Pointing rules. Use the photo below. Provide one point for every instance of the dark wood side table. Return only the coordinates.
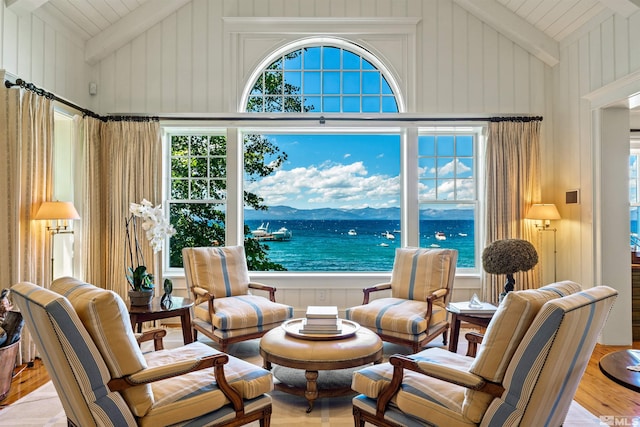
(475, 319)
(614, 365)
(180, 307)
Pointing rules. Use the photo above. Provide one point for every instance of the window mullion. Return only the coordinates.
(409, 207)
(235, 201)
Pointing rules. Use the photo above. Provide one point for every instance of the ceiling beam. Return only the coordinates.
(515, 28)
(23, 7)
(130, 26)
(625, 8)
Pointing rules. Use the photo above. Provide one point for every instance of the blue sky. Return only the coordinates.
(338, 171)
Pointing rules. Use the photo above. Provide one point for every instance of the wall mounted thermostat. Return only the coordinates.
(572, 197)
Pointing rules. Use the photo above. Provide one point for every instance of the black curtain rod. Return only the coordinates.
(321, 119)
(41, 92)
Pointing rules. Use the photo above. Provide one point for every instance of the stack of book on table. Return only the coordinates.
(321, 320)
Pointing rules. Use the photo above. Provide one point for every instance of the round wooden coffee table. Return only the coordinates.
(614, 365)
(314, 354)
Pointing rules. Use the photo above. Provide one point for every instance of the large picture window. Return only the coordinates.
(334, 205)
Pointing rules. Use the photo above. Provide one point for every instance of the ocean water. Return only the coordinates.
(325, 245)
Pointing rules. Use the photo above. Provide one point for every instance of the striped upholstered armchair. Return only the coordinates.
(224, 309)
(526, 372)
(421, 284)
(102, 378)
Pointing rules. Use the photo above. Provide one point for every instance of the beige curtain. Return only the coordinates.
(512, 186)
(121, 164)
(26, 141)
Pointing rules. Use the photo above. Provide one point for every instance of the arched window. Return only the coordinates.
(324, 79)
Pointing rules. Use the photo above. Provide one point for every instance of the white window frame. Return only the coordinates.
(409, 190)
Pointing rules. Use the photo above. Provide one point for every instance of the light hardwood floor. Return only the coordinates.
(598, 394)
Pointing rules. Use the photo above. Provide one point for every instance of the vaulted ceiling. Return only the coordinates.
(537, 25)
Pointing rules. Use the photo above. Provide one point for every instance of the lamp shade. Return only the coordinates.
(543, 211)
(57, 210)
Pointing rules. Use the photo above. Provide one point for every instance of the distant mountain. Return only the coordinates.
(289, 213)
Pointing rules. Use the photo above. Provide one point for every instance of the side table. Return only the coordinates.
(614, 366)
(180, 307)
(475, 319)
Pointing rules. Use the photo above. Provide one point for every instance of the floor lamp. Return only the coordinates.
(545, 212)
(58, 214)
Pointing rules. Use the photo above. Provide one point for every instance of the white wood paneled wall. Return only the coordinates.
(603, 59)
(462, 65)
(39, 53)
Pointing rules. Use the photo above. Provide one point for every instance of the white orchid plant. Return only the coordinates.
(157, 228)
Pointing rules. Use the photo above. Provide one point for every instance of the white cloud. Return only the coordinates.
(329, 184)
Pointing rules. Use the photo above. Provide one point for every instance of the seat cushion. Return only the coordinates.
(421, 395)
(197, 393)
(396, 315)
(418, 272)
(106, 318)
(221, 270)
(243, 311)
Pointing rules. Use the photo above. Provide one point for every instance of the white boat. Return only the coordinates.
(261, 231)
(388, 235)
(282, 234)
(433, 245)
(384, 245)
(441, 236)
(462, 234)
(352, 232)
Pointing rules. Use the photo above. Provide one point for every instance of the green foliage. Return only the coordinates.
(140, 279)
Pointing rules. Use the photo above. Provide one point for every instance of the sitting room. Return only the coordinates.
(306, 189)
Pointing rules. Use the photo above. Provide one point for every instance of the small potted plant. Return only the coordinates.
(508, 256)
(157, 228)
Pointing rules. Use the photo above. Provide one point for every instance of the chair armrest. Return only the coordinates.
(201, 292)
(438, 293)
(202, 295)
(435, 295)
(159, 373)
(263, 287)
(434, 370)
(474, 338)
(155, 334)
(374, 288)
